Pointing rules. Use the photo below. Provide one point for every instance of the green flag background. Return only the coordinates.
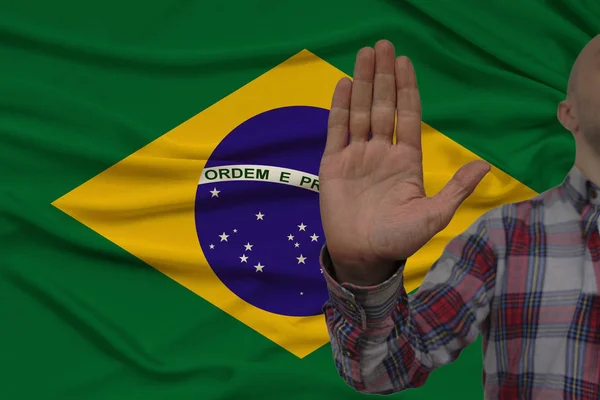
(83, 85)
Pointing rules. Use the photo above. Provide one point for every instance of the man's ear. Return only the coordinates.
(566, 115)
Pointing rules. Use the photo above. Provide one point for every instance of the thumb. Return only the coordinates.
(461, 186)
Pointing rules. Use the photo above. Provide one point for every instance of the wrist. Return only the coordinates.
(364, 275)
(358, 272)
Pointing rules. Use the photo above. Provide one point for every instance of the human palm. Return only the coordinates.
(373, 204)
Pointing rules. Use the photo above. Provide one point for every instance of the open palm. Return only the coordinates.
(373, 204)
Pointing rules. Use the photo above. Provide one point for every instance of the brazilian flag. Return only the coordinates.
(159, 216)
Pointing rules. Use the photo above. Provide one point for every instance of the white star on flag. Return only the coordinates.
(215, 192)
(235, 244)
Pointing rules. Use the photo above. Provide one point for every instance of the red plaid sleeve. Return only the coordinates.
(385, 341)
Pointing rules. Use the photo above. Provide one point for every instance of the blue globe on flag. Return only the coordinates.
(257, 211)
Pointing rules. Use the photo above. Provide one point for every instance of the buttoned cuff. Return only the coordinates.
(363, 306)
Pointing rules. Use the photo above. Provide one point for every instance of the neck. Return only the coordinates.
(588, 162)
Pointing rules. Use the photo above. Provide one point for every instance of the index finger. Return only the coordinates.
(408, 106)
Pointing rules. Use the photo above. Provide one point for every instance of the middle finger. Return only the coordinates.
(383, 112)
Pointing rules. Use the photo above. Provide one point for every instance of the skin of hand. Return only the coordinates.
(372, 198)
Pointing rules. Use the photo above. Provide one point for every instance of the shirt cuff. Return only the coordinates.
(363, 306)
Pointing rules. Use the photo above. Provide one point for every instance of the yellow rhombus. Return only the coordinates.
(145, 203)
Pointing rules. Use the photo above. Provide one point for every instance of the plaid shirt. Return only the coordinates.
(526, 276)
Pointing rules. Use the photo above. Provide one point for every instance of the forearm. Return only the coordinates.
(385, 341)
(365, 325)
(375, 357)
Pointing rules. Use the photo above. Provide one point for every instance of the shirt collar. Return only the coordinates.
(579, 190)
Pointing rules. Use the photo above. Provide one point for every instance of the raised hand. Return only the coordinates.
(373, 204)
